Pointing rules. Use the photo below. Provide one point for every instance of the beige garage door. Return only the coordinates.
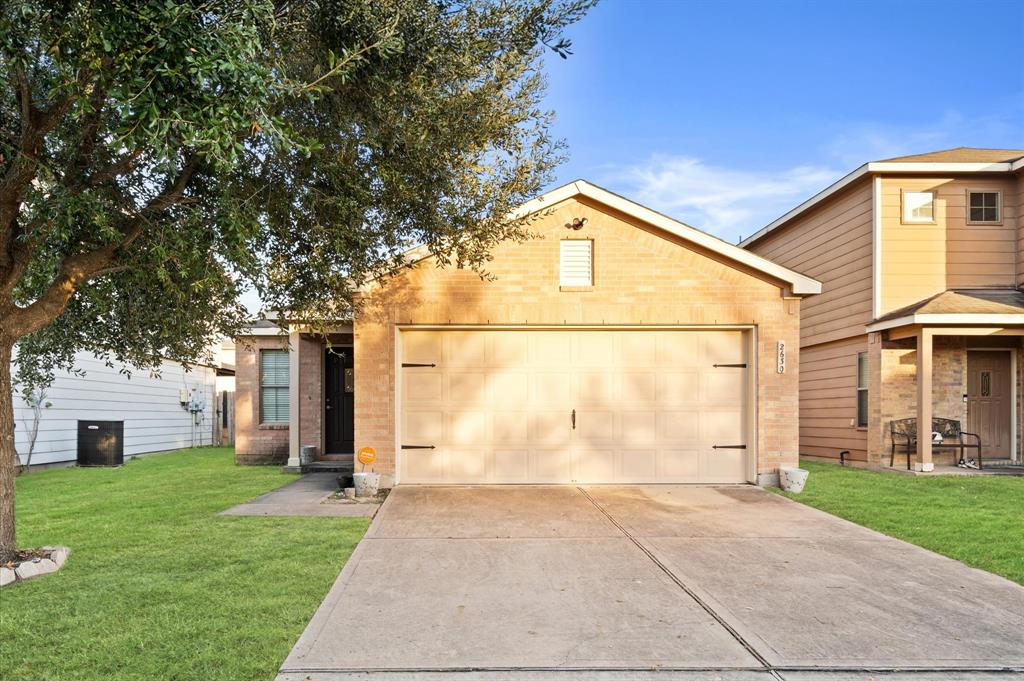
(573, 406)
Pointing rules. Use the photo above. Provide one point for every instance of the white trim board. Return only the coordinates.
(942, 319)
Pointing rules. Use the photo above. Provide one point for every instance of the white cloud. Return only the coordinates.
(726, 202)
(730, 201)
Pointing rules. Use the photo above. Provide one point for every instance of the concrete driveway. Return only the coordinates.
(672, 582)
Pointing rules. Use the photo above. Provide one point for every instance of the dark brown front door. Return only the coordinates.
(989, 407)
(339, 405)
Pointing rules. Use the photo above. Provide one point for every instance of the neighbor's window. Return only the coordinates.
(983, 206)
(577, 262)
(918, 207)
(862, 389)
(274, 386)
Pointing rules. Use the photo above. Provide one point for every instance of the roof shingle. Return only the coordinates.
(961, 155)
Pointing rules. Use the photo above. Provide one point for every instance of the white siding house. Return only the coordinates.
(155, 419)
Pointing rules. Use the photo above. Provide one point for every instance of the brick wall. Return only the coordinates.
(641, 276)
(255, 443)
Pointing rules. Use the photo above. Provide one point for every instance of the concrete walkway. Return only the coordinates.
(667, 582)
(305, 496)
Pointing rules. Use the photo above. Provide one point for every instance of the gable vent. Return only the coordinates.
(577, 262)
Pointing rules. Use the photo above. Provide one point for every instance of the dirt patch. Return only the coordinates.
(340, 498)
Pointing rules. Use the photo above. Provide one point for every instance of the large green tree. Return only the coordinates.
(158, 157)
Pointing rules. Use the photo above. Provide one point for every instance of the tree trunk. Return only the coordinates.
(8, 455)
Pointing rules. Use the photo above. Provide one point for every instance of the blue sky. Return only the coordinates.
(726, 114)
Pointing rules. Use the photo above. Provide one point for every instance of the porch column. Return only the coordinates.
(294, 345)
(924, 399)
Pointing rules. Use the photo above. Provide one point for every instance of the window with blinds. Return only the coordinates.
(274, 386)
(577, 262)
(862, 389)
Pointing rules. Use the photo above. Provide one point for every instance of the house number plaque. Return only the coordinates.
(781, 356)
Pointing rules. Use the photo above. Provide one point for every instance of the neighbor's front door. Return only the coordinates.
(989, 407)
(339, 405)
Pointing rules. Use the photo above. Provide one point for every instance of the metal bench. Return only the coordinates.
(904, 433)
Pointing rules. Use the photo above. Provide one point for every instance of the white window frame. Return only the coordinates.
(276, 387)
(578, 282)
(862, 423)
(999, 207)
(908, 219)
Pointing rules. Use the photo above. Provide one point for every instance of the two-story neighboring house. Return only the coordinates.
(922, 264)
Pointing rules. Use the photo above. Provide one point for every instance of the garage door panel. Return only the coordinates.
(678, 387)
(638, 349)
(554, 389)
(723, 386)
(498, 406)
(552, 465)
(468, 387)
(678, 349)
(551, 428)
(466, 465)
(677, 465)
(678, 426)
(722, 427)
(511, 465)
(640, 465)
(424, 427)
(510, 426)
(639, 427)
(722, 348)
(465, 349)
(723, 465)
(467, 428)
(595, 465)
(551, 349)
(510, 388)
(637, 387)
(593, 349)
(510, 349)
(595, 388)
(423, 348)
(424, 465)
(595, 427)
(422, 387)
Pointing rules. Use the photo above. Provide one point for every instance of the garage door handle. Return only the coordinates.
(418, 447)
(735, 366)
(728, 446)
(574, 419)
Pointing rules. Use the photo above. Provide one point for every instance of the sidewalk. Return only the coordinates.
(305, 497)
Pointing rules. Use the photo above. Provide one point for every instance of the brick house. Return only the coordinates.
(618, 346)
(922, 260)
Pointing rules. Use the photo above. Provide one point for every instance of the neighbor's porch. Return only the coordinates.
(970, 374)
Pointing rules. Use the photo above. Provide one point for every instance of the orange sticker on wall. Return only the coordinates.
(367, 455)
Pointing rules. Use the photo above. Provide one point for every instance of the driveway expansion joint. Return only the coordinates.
(681, 584)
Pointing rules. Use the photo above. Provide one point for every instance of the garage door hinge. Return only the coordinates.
(418, 447)
(413, 364)
(737, 366)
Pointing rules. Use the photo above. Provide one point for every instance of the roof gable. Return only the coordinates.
(801, 285)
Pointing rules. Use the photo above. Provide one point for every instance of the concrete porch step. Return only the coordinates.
(322, 467)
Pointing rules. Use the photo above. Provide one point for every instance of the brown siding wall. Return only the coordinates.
(1020, 227)
(920, 260)
(641, 277)
(831, 243)
(828, 399)
(255, 443)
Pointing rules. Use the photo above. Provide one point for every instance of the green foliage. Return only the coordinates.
(158, 585)
(976, 520)
(161, 156)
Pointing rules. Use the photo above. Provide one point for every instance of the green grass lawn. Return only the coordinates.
(977, 520)
(158, 586)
